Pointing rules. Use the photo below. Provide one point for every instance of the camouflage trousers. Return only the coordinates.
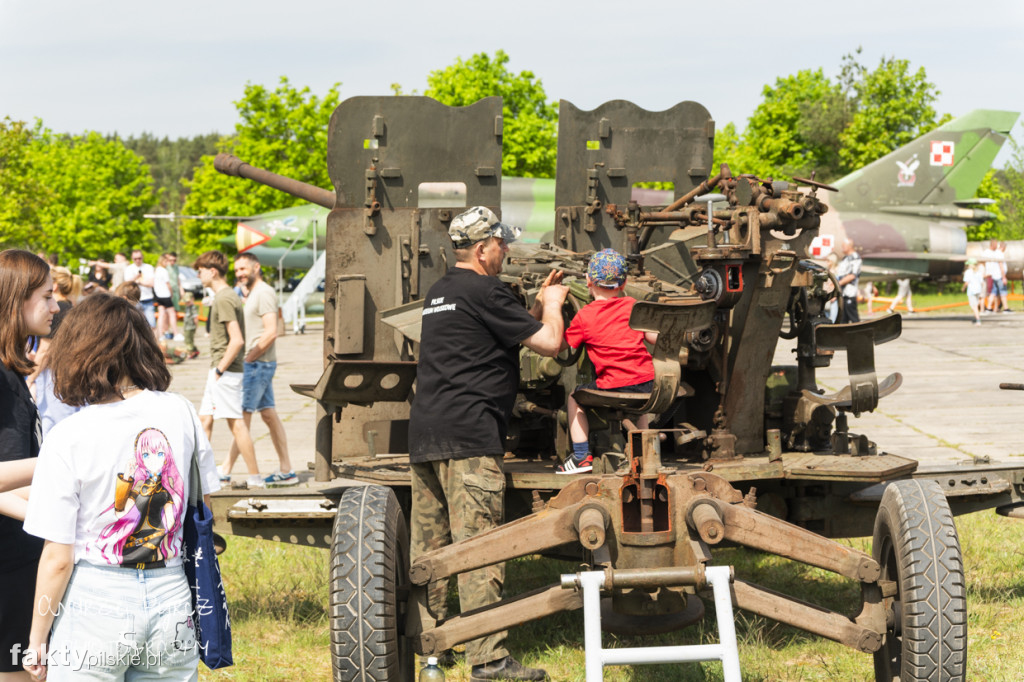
(190, 324)
(453, 500)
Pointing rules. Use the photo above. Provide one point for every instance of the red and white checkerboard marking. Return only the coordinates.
(820, 246)
(942, 153)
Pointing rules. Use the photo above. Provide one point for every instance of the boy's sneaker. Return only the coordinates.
(255, 482)
(278, 479)
(571, 466)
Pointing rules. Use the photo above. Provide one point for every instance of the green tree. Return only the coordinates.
(73, 195)
(283, 130)
(530, 137)
(1011, 201)
(20, 192)
(990, 188)
(98, 191)
(171, 163)
(793, 130)
(892, 106)
(728, 150)
(808, 122)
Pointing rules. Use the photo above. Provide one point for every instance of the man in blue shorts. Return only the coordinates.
(260, 365)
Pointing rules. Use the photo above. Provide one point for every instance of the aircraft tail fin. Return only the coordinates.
(940, 167)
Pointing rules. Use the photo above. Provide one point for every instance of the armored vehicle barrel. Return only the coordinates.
(229, 164)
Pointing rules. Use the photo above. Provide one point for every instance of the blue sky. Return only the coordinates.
(175, 68)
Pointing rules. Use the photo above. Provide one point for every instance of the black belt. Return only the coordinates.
(147, 565)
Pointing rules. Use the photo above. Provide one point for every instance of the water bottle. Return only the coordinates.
(430, 672)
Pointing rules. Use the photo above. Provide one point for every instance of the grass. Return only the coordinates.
(278, 599)
(278, 595)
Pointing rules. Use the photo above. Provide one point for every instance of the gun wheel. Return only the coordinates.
(916, 544)
(369, 569)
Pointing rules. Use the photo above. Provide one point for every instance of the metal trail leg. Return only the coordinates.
(597, 657)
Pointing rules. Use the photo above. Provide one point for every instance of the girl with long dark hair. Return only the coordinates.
(112, 481)
(27, 308)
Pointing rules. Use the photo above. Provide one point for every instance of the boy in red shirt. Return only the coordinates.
(620, 358)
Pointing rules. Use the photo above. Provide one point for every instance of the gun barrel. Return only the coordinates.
(229, 164)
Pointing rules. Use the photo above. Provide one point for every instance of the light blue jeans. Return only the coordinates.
(149, 311)
(124, 624)
(258, 386)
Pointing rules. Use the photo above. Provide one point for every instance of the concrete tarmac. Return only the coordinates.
(949, 408)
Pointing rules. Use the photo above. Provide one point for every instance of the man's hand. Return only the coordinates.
(551, 290)
(554, 294)
(548, 309)
(554, 277)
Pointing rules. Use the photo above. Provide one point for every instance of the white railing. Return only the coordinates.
(294, 309)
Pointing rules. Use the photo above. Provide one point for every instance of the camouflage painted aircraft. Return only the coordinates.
(906, 212)
(288, 237)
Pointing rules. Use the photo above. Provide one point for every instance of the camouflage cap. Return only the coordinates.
(607, 269)
(479, 223)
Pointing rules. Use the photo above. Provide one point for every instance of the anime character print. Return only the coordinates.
(148, 501)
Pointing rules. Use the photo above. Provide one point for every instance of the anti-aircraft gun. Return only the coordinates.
(741, 451)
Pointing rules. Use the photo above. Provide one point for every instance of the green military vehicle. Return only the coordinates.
(742, 451)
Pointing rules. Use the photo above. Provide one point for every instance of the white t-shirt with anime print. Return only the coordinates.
(113, 480)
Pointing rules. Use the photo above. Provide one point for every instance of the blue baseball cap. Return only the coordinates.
(607, 269)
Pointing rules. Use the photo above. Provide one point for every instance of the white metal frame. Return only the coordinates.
(598, 657)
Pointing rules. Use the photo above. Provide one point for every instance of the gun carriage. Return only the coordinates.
(742, 451)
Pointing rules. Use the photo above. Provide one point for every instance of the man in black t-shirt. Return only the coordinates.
(466, 383)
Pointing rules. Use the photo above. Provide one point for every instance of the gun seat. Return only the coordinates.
(859, 339)
(632, 403)
(843, 398)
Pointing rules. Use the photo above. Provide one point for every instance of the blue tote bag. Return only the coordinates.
(203, 574)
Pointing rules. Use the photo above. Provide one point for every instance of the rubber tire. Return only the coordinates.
(368, 573)
(916, 544)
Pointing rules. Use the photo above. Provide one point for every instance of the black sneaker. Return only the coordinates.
(506, 668)
(571, 466)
